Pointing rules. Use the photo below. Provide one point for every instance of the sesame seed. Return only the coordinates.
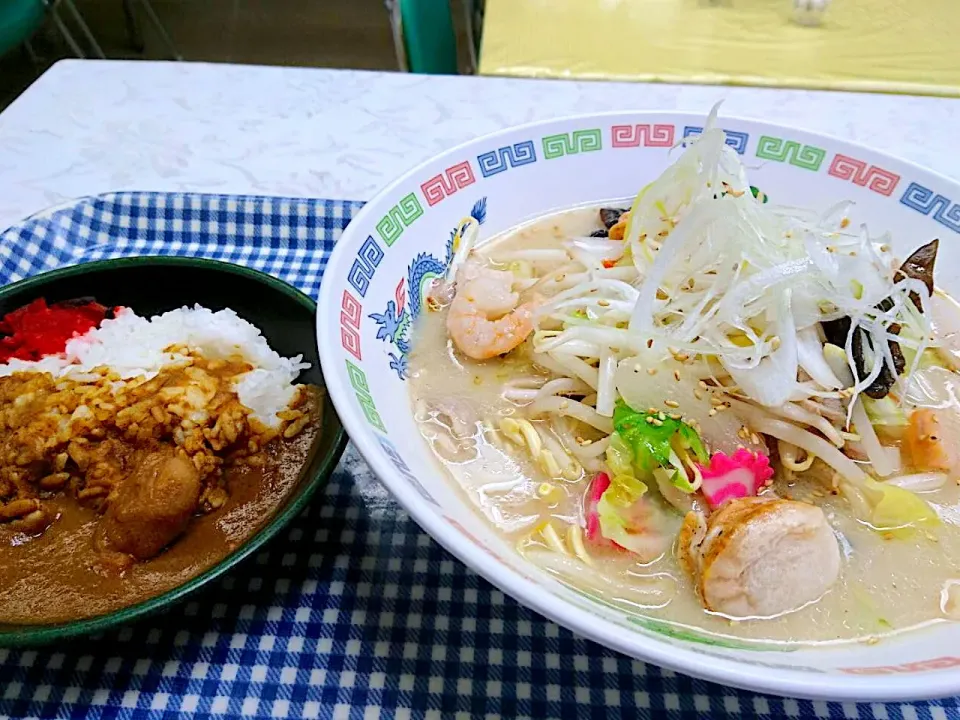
(713, 411)
(682, 357)
(661, 416)
(676, 375)
(603, 303)
(884, 248)
(754, 438)
(673, 350)
(698, 395)
(658, 423)
(671, 403)
(652, 411)
(586, 442)
(650, 343)
(675, 416)
(703, 385)
(637, 367)
(651, 371)
(649, 420)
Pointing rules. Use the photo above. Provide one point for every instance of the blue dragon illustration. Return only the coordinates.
(395, 322)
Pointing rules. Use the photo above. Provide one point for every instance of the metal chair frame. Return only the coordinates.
(134, 31)
(53, 10)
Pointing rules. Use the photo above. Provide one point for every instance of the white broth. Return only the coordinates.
(888, 582)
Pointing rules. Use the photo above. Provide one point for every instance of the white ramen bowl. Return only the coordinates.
(374, 284)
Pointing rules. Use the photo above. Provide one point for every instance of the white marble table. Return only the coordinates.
(88, 127)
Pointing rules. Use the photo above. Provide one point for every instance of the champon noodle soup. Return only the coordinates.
(136, 452)
(732, 416)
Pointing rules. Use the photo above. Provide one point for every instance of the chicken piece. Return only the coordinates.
(692, 533)
(760, 556)
(152, 507)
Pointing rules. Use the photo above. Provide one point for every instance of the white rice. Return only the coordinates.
(134, 346)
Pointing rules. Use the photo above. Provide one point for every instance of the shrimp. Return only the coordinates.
(484, 320)
(928, 441)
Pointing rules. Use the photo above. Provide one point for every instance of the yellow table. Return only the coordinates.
(881, 45)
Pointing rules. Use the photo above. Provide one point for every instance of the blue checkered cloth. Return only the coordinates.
(352, 612)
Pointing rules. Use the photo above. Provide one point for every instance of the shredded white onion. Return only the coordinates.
(719, 302)
(606, 383)
(869, 442)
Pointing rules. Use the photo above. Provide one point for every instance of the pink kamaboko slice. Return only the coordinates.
(594, 531)
(599, 486)
(741, 475)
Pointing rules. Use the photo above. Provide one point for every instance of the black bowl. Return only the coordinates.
(152, 285)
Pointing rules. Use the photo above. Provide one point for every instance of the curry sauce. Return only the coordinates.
(69, 567)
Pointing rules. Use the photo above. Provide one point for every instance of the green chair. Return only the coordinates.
(19, 20)
(424, 35)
